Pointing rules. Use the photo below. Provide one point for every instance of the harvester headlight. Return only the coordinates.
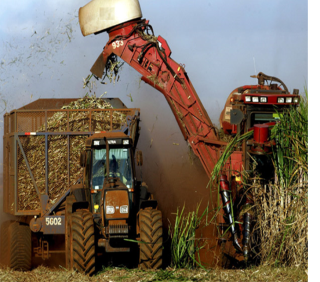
(110, 210)
(124, 209)
(281, 100)
(125, 142)
(248, 98)
(296, 100)
(255, 99)
(289, 100)
(263, 99)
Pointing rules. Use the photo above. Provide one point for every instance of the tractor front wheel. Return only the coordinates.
(150, 223)
(82, 245)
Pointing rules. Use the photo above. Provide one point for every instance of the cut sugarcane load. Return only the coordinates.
(62, 125)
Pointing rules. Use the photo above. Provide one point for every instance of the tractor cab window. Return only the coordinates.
(98, 173)
(120, 165)
(98, 167)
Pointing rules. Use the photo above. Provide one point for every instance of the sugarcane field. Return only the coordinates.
(157, 141)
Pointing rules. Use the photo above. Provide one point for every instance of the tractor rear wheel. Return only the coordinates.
(82, 245)
(19, 246)
(150, 222)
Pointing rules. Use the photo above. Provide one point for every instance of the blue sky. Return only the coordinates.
(222, 43)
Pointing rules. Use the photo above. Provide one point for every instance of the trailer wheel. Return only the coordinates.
(82, 242)
(4, 243)
(68, 212)
(150, 222)
(19, 253)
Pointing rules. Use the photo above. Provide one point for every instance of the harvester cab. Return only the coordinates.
(258, 108)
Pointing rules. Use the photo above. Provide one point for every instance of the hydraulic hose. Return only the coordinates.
(225, 196)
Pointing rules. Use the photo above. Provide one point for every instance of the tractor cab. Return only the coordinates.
(108, 163)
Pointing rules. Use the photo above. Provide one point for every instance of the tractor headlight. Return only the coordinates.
(281, 100)
(255, 99)
(110, 210)
(289, 100)
(296, 100)
(124, 209)
(263, 99)
(248, 98)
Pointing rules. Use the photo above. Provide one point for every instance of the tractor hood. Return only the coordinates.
(99, 15)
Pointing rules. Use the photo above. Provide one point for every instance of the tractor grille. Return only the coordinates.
(118, 229)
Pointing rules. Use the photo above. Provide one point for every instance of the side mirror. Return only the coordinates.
(139, 158)
(83, 159)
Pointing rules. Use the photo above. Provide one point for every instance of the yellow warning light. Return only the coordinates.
(96, 207)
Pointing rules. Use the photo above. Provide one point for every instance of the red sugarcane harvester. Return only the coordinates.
(250, 107)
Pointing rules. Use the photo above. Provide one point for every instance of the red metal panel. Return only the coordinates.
(260, 133)
(236, 163)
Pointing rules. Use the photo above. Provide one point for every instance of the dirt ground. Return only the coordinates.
(45, 274)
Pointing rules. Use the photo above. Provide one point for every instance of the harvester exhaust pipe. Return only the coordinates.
(225, 196)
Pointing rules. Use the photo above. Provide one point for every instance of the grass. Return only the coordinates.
(282, 206)
(264, 273)
(184, 245)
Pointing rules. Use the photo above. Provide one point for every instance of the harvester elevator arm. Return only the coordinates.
(135, 43)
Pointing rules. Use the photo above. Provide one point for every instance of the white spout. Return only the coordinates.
(99, 15)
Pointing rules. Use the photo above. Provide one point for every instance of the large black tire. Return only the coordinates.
(68, 212)
(151, 235)
(83, 256)
(19, 253)
(4, 243)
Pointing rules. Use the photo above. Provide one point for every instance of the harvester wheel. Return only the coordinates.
(19, 253)
(4, 243)
(150, 222)
(82, 242)
(68, 212)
